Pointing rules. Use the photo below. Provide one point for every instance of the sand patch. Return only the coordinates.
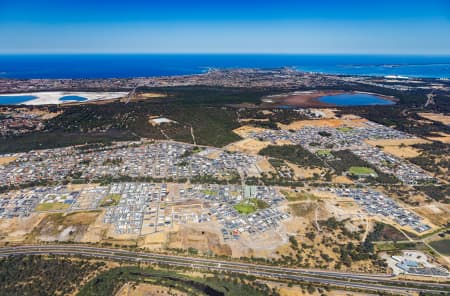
(399, 147)
(342, 180)
(7, 159)
(245, 130)
(334, 123)
(265, 165)
(153, 241)
(203, 238)
(151, 95)
(444, 138)
(303, 172)
(15, 230)
(436, 213)
(250, 146)
(147, 290)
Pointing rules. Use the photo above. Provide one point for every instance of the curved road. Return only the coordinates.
(374, 282)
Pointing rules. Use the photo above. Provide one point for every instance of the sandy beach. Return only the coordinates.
(53, 97)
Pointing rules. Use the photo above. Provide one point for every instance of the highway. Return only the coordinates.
(373, 282)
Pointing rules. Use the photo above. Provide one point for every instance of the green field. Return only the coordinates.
(358, 171)
(344, 129)
(209, 192)
(442, 246)
(52, 206)
(110, 200)
(324, 153)
(250, 205)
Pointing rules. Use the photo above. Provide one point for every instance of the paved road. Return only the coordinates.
(374, 282)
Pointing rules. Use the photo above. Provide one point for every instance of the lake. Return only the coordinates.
(355, 100)
(13, 100)
(73, 98)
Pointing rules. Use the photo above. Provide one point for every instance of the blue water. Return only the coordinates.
(110, 65)
(12, 100)
(73, 98)
(354, 100)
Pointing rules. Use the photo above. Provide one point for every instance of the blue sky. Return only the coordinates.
(320, 27)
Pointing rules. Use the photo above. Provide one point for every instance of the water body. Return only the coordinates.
(73, 98)
(139, 65)
(354, 100)
(13, 100)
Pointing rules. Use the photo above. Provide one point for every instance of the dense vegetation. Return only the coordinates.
(434, 157)
(436, 192)
(345, 159)
(110, 281)
(92, 123)
(38, 275)
(398, 117)
(385, 232)
(293, 153)
(442, 246)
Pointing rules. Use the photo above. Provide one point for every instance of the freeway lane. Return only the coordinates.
(366, 281)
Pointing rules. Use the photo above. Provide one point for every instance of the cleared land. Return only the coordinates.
(6, 160)
(399, 147)
(143, 289)
(334, 123)
(110, 200)
(444, 138)
(52, 206)
(442, 118)
(250, 146)
(245, 130)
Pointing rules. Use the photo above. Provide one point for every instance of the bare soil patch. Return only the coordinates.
(7, 159)
(147, 290)
(245, 130)
(201, 238)
(399, 147)
(296, 125)
(250, 146)
(442, 118)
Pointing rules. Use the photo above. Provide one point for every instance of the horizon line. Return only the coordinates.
(225, 53)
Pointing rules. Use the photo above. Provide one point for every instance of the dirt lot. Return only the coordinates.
(260, 245)
(303, 172)
(6, 160)
(147, 290)
(203, 237)
(442, 118)
(444, 138)
(15, 230)
(296, 125)
(244, 130)
(342, 180)
(400, 148)
(151, 95)
(70, 227)
(250, 146)
(437, 213)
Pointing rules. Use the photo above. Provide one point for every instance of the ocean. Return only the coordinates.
(140, 65)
